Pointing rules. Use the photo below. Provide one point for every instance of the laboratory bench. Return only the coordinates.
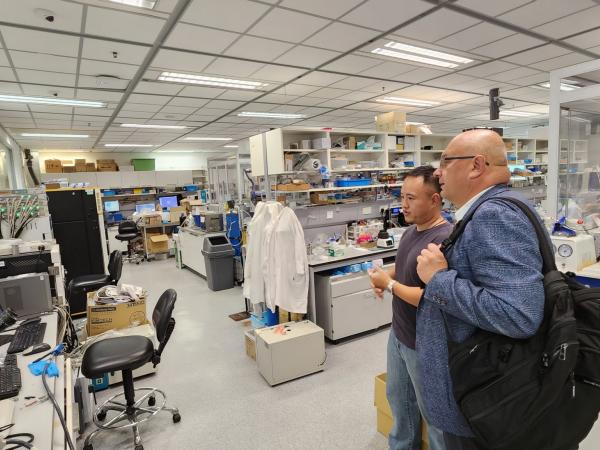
(191, 241)
(345, 305)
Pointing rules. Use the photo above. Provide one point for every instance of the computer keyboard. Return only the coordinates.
(26, 336)
(10, 377)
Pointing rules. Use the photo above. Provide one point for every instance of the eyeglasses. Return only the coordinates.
(444, 160)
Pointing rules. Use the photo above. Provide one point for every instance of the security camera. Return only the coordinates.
(46, 14)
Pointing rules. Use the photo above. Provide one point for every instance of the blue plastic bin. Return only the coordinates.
(109, 192)
(352, 182)
(269, 318)
(190, 187)
(197, 221)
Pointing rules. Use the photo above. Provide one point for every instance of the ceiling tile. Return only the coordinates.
(171, 60)
(381, 87)
(352, 64)
(38, 76)
(492, 8)
(319, 79)
(271, 72)
(512, 44)
(41, 61)
(419, 75)
(306, 101)
(287, 25)
(202, 92)
(222, 104)
(148, 99)
(23, 12)
(476, 36)
(562, 61)
(575, 23)
(278, 98)
(539, 77)
(341, 37)
(231, 15)
(165, 5)
(306, 56)
(329, 93)
(47, 91)
(490, 68)
(7, 74)
(94, 68)
(189, 102)
(235, 94)
(585, 40)
(3, 60)
(232, 67)
(170, 116)
(87, 81)
(385, 14)
(296, 89)
(353, 83)
(537, 54)
(357, 96)
(103, 50)
(542, 11)
(513, 74)
(40, 41)
(387, 70)
(192, 37)
(123, 25)
(437, 25)
(331, 8)
(158, 87)
(258, 48)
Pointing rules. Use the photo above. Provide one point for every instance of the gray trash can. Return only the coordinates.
(218, 258)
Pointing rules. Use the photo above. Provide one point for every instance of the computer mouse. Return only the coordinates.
(38, 348)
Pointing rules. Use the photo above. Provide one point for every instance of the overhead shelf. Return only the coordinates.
(337, 150)
(351, 188)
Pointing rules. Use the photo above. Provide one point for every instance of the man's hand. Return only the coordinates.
(379, 280)
(429, 262)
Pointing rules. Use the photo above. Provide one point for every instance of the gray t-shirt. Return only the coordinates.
(404, 321)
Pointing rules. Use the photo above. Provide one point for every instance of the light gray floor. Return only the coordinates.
(224, 401)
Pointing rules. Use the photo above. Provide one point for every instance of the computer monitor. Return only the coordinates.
(111, 206)
(168, 202)
(144, 207)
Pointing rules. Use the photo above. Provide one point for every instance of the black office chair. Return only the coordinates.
(127, 354)
(79, 286)
(128, 232)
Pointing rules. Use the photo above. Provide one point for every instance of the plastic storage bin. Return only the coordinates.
(351, 182)
(218, 257)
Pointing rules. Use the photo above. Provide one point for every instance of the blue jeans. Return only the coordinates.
(404, 395)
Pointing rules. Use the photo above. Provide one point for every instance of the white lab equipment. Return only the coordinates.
(574, 253)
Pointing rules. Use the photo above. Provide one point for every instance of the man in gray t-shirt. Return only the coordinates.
(421, 205)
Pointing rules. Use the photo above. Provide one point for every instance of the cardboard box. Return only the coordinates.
(349, 142)
(175, 213)
(80, 165)
(152, 218)
(103, 318)
(68, 169)
(384, 412)
(106, 167)
(320, 198)
(90, 167)
(250, 339)
(393, 121)
(286, 316)
(157, 243)
(52, 186)
(80, 162)
(53, 166)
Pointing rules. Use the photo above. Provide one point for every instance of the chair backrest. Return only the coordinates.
(127, 227)
(162, 316)
(115, 266)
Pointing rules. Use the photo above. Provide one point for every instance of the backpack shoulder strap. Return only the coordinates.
(549, 263)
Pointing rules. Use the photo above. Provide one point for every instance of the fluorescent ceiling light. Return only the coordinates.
(48, 135)
(149, 125)
(414, 123)
(433, 62)
(51, 101)
(149, 4)
(174, 151)
(407, 101)
(268, 115)
(563, 86)
(231, 146)
(128, 145)
(517, 114)
(194, 138)
(428, 52)
(210, 81)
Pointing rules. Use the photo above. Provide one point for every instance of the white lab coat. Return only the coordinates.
(285, 267)
(254, 284)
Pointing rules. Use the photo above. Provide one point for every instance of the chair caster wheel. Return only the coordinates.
(151, 401)
(88, 447)
(101, 416)
(176, 418)
(139, 447)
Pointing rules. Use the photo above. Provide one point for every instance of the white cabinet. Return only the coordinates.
(147, 178)
(274, 146)
(130, 179)
(166, 177)
(108, 180)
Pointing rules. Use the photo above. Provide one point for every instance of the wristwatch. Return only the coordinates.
(390, 286)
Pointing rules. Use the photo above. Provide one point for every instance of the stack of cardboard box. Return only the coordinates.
(68, 166)
(106, 165)
(105, 317)
(53, 166)
(80, 165)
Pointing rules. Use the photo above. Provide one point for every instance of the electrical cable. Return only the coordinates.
(18, 443)
(56, 407)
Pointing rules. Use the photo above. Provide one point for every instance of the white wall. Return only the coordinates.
(163, 161)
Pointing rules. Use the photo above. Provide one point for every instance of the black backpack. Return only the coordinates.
(537, 393)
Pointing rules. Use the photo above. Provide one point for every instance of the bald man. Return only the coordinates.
(491, 278)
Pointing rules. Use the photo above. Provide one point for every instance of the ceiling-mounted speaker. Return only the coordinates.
(495, 103)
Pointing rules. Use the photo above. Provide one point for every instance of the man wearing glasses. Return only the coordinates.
(492, 278)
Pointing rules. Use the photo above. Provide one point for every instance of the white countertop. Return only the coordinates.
(198, 231)
(349, 253)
